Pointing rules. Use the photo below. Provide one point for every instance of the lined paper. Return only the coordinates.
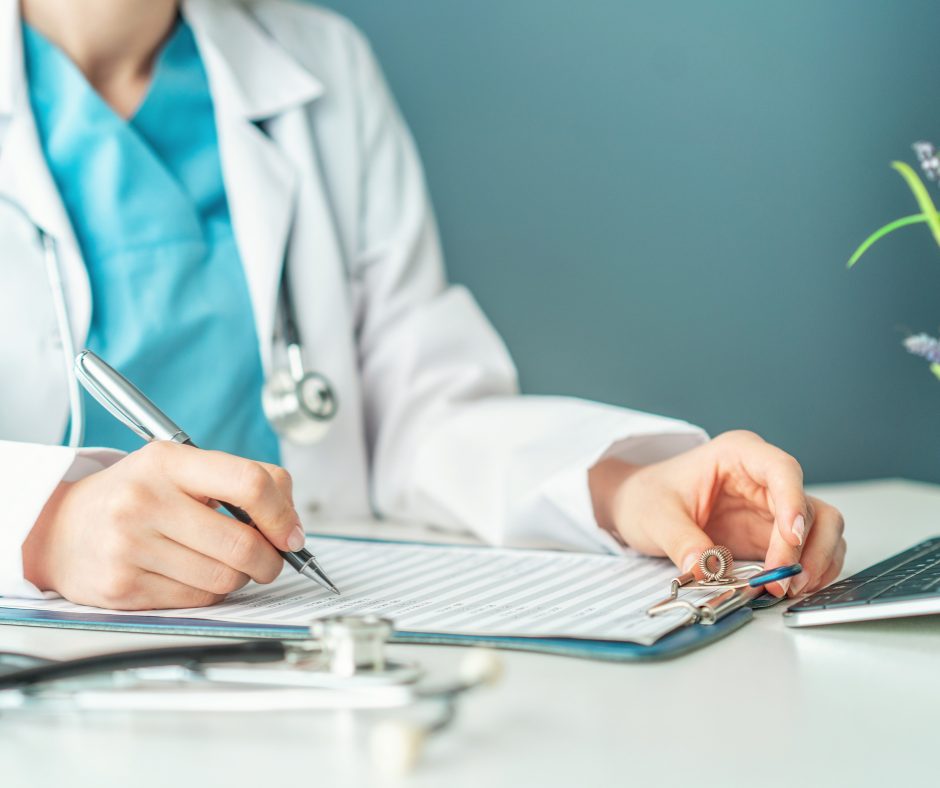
(457, 590)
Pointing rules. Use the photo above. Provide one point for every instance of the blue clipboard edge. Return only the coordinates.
(676, 643)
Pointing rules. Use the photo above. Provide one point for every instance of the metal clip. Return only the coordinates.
(719, 579)
(716, 564)
(711, 610)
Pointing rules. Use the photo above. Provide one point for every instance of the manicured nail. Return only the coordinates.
(798, 583)
(296, 540)
(784, 584)
(799, 527)
(690, 561)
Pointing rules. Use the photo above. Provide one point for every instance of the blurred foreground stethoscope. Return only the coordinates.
(342, 666)
(299, 405)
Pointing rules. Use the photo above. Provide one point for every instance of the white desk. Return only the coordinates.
(840, 705)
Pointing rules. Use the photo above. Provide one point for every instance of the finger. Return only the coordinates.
(223, 540)
(148, 591)
(244, 483)
(780, 474)
(822, 548)
(282, 479)
(780, 553)
(834, 570)
(680, 538)
(171, 559)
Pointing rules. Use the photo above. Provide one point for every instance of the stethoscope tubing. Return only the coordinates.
(54, 277)
(252, 651)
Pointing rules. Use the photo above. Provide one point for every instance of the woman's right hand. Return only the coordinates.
(144, 534)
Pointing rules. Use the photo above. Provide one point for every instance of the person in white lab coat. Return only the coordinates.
(317, 162)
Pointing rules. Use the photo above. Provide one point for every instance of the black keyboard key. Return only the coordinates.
(900, 592)
(918, 583)
(861, 595)
(815, 602)
(900, 559)
(843, 586)
(891, 577)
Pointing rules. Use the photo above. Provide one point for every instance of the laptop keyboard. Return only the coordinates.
(913, 574)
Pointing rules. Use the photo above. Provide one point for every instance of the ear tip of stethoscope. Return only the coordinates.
(395, 746)
(481, 667)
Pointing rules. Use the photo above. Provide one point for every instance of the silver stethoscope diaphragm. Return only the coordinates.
(300, 411)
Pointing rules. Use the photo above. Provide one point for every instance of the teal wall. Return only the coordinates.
(654, 201)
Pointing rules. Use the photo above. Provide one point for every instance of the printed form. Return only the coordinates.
(457, 590)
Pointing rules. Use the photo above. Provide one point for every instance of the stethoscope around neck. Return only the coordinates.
(299, 405)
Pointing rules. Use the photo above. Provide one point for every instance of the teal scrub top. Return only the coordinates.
(170, 303)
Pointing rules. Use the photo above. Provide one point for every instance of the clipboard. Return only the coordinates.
(711, 621)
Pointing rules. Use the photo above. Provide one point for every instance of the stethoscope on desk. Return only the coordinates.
(342, 666)
(299, 405)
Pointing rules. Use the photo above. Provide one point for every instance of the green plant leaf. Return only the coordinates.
(919, 217)
(927, 207)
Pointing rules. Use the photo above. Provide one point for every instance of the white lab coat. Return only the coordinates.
(430, 425)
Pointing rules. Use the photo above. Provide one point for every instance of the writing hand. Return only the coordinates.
(144, 534)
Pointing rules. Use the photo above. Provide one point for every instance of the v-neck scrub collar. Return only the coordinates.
(146, 198)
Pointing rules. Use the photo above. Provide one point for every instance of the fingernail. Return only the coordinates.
(784, 584)
(798, 583)
(799, 527)
(690, 560)
(296, 540)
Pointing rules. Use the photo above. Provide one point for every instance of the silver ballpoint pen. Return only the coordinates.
(129, 405)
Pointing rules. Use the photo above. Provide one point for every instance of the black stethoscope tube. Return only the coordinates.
(291, 332)
(254, 651)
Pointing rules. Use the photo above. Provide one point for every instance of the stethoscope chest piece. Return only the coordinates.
(352, 643)
(299, 409)
(352, 650)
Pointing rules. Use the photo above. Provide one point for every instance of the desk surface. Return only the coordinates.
(852, 704)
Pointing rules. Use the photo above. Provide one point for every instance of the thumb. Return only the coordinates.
(683, 541)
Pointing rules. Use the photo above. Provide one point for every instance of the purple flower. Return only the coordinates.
(929, 162)
(925, 346)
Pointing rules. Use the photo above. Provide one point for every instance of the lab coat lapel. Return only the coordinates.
(261, 190)
(25, 179)
(252, 80)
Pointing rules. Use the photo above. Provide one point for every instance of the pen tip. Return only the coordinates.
(313, 571)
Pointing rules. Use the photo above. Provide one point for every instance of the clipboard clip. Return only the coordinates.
(742, 584)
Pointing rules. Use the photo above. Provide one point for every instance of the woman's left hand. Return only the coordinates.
(737, 491)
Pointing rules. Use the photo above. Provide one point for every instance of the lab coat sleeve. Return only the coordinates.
(29, 474)
(452, 442)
